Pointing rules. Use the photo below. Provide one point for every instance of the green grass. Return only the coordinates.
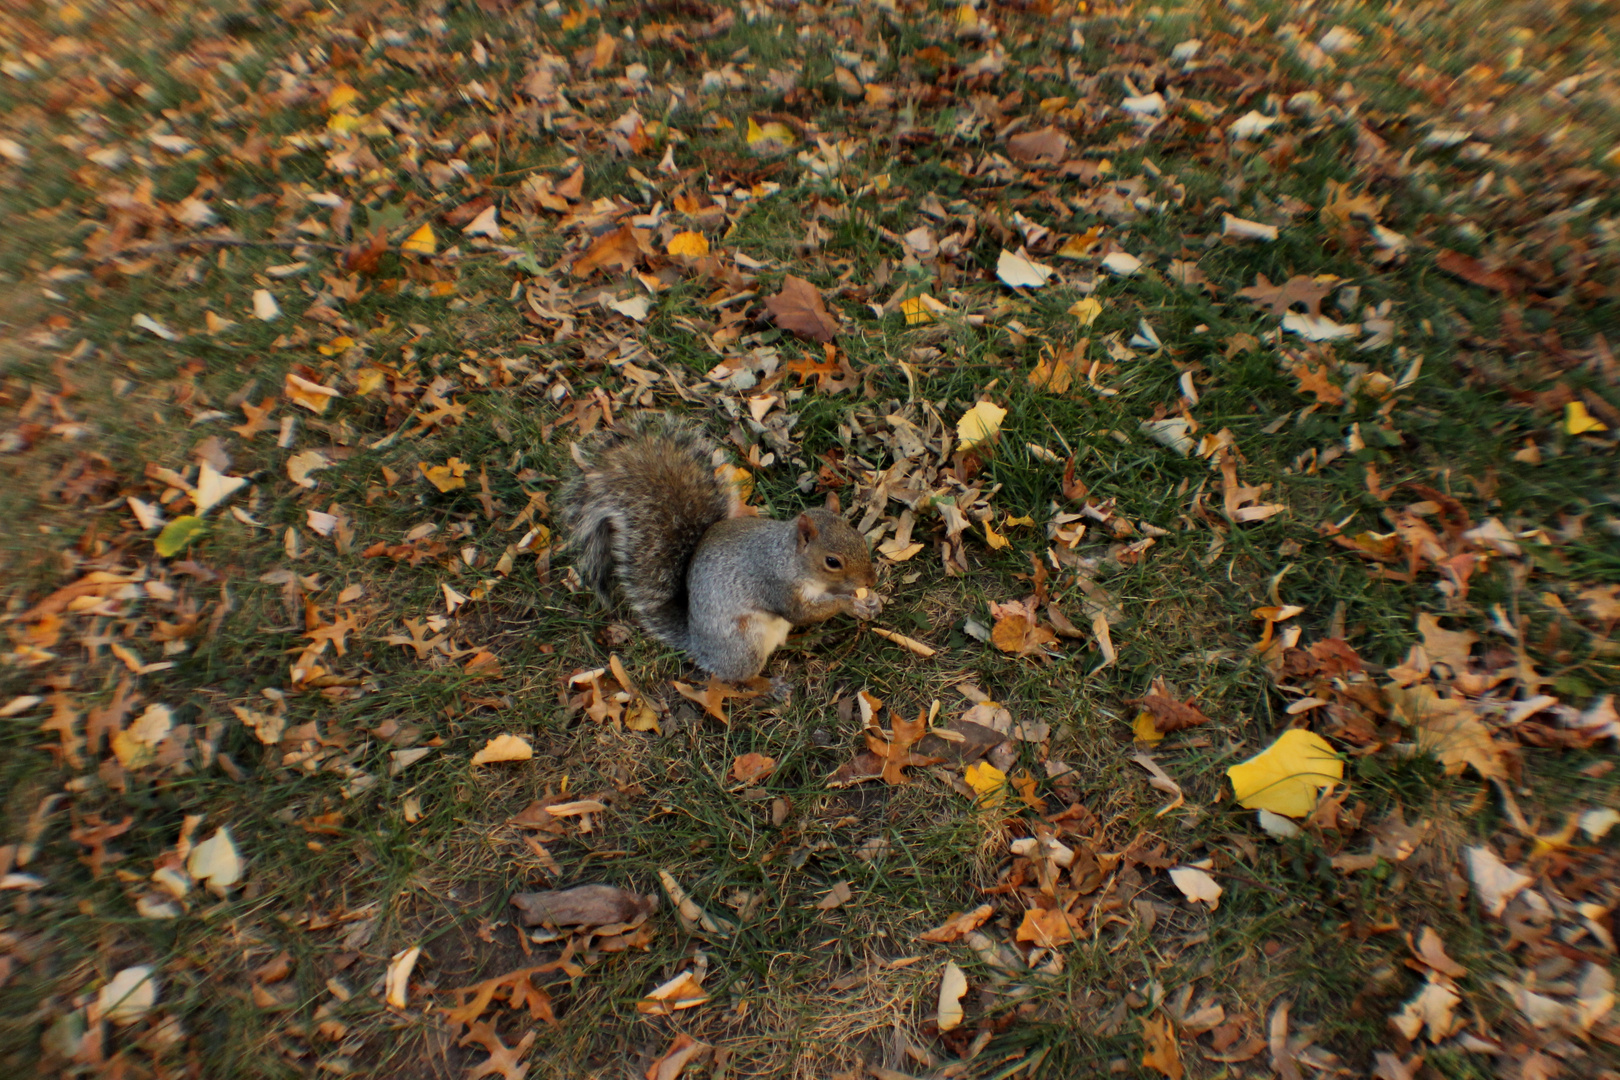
(797, 991)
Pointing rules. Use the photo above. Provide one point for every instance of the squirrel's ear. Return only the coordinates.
(807, 530)
(832, 503)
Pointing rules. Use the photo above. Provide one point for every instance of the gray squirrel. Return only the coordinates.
(644, 509)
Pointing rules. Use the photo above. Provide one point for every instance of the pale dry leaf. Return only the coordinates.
(215, 862)
(129, 995)
(1019, 271)
(1495, 883)
(504, 748)
(953, 985)
(301, 464)
(1196, 885)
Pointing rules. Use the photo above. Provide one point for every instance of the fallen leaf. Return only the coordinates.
(265, 307)
(397, 978)
(839, 895)
(749, 767)
(420, 242)
(1197, 885)
(684, 991)
(1046, 928)
(583, 905)
(1288, 775)
(301, 464)
(979, 425)
(620, 249)
(1163, 1052)
(988, 782)
(681, 1053)
(689, 245)
(179, 534)
(504, 748)
(958, 926)
(1019, 271)
(213, 488)
(799, 309)
(953, 985)
(1495, 882)
(1577, 421)
(450, 476)
(485, 224)
(129, 995)
(1300, 289)
(215, 862)
(1431, 1007)
(1432, 951)
(307, 393)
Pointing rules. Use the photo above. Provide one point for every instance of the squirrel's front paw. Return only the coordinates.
(866, 607)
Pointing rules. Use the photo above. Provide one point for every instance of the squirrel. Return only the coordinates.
(644, 509)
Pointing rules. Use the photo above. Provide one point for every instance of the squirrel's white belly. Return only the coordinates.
(770, 631)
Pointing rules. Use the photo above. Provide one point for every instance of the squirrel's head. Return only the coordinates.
(831, 552)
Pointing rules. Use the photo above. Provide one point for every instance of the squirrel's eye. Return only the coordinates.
(834, 563)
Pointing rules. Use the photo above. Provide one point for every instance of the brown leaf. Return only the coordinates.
(622, 248)
(503, 1059)
(1045, 145)
(583, 905)
(1474, 272)
(896, 750)
(799, 309)
(958, 926)
(681, 1053)
(1169, 714)
(1432, 951)
(1299, 289)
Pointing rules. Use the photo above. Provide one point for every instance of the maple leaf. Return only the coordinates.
(258, 418)
(799, 309)
(895, 747)
(622, 248)
(1314, 379)
(1279, 299)
(503, 1059)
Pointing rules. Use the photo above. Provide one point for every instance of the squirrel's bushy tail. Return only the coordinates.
(634, 512)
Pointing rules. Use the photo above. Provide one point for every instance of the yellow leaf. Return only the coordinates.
(1287, 776)
(1577, 421)
(342, 94)
(345, 123)
(311, 395)
(979, 424)
(504, 748)
(421, 242)
(1143, 728)
(988, 781)
(760, 136)
(921, 309)
(690, 244)
(1086, 310)
(447, 477)
(993, 538)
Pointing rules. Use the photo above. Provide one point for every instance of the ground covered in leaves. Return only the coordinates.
(1229, 393)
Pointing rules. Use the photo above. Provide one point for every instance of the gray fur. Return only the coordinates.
(644, 509)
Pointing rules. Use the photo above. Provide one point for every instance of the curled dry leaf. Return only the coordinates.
(397, 979)
(681, 1053)
(958, 926)
(215, 862)
(953, 985)
(504, 748)
(684, 991)
(583, 905)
